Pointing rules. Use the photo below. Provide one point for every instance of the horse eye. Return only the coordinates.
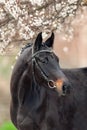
(46, 60)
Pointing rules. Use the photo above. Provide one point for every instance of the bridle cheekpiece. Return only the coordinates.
(50, 82)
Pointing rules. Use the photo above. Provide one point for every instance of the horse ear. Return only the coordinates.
(38, 42)
(49, 42)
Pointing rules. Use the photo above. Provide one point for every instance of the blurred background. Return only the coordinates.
(5, 72)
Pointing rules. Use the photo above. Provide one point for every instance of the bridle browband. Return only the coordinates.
(34, 62)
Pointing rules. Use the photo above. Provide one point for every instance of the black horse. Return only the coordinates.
(44, 96)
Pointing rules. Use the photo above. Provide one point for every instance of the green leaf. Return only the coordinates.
(8, 126)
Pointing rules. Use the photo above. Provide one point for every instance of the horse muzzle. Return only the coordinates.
(63, 87)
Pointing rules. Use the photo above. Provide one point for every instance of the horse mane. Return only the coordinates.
(25, 47)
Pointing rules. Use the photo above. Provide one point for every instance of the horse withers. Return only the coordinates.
(44, 96)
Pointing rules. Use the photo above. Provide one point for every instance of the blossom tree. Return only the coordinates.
(22, 20)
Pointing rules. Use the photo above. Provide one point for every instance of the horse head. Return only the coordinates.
(46, 68)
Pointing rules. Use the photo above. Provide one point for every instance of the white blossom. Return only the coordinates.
(38, 2)
(65, 49)
(24, 19)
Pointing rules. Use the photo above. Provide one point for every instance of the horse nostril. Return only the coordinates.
(66, 89)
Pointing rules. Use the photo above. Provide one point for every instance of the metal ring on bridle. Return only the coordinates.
(51, 84)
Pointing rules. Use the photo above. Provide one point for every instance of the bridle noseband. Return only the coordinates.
(50, 82)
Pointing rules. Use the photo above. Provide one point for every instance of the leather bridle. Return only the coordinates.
(35, 59)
